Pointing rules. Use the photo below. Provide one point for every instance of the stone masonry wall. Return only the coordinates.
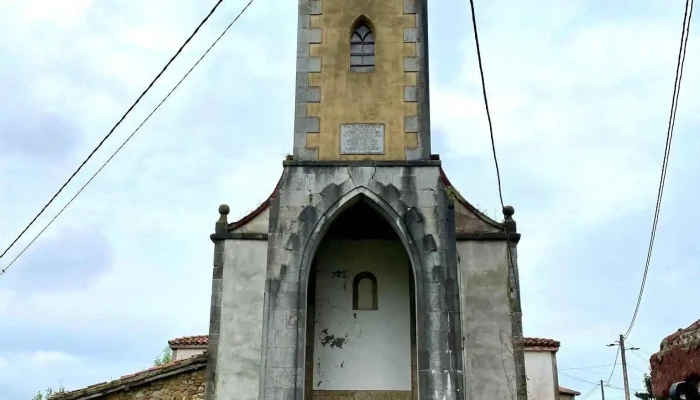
(184, 386)
(145, 385)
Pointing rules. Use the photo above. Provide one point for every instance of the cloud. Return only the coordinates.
(579, 102)
(69, 259)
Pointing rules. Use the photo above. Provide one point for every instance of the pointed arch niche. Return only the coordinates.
(362, 45)
(360, 297)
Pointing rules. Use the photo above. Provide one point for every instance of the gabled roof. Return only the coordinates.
(140, 378)
(198, 340)
(530, 342)
(563, 390)
(483, 219)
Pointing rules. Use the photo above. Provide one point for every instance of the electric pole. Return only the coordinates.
(602, 389)
(621, 343)
(624, 367)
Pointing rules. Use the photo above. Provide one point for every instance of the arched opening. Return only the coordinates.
(362, 46)
(360, 332)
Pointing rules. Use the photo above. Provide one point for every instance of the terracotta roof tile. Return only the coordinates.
(198, 340)
(540, 342)
(127, 381)
(563, 390)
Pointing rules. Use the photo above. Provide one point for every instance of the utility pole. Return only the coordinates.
(602, 389)
(621, 343)
(624, 367)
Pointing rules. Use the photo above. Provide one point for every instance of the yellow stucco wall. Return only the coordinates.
(362, 97)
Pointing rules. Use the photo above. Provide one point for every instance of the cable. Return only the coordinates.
(617, 354)
(130, 136)
(520, 368)
(486, 102)
(582, 368)
(638, 349)
(669, 137)
(587, 395)
(113, 128)
(640, 357)
(579, 379)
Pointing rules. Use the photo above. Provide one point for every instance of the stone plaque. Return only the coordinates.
(362, 139)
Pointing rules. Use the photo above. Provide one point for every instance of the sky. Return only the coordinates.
(579, 93)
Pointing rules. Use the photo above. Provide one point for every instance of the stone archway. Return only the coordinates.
(360, 325)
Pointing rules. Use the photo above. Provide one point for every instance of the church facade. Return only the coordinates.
(365, 274)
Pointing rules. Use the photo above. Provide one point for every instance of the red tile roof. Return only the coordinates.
(198, 340)
(563, 390)
(142, 377)
(540, 342)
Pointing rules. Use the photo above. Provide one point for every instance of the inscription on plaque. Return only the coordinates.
(362, 139)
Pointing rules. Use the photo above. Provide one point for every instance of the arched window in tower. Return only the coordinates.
(364, 292)
(362, 49)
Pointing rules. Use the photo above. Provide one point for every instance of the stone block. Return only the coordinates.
(410, 6)
(410, 124)
(410, 94)
(308, 64)
(410, 35)
(309, 35)
(410, 64)
(309, 94)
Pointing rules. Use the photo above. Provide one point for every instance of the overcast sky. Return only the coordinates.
(579, 93)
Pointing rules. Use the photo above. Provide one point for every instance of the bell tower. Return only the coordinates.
(362, 81)
(365, 274)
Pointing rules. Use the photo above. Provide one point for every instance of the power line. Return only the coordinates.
(578, 379)
(667, 150)
(581, 368)
(130, 136)
(520, 363)
(617, 354)
(640, 357)
(587, 395)
(148, 88)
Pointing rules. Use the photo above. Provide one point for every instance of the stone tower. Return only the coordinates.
(365, 274)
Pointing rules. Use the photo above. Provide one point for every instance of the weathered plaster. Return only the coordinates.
(414, 201)
(489, 364)
(362, 350)
(541, 382)
(236, 332)
(259, 224)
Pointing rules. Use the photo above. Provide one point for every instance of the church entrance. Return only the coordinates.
(360, 333)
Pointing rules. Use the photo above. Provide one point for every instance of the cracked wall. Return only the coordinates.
(362, 349)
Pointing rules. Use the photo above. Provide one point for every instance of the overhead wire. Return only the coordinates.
(4, 270)
(617, 355)
(669, 137)
(582, 368)
(587, 395)
(128, 111)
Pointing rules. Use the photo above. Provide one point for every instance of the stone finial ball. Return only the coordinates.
(508, 211)
(224, 209)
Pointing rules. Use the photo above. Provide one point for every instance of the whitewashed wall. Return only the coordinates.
(179, 354)
(539, 368)
(362, 350)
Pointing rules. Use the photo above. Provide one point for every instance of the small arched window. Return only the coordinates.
(362, 49)
(364, 292)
